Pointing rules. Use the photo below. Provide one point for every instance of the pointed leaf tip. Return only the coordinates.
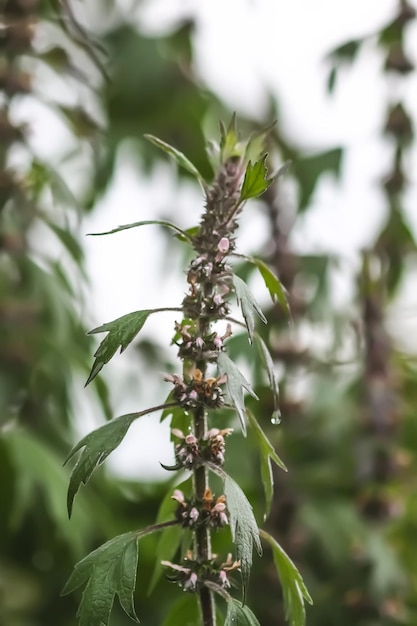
(236, 383)
(97, 447)
(121, 332)
(178, 156)
(294, 590)
(255, 181)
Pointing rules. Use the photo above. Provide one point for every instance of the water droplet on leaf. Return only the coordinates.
(276, 417)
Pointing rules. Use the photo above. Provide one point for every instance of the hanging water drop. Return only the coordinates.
(276, 417)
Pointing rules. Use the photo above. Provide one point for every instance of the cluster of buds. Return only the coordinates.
(191, 452)
(197, 305)
(193, 575)
(196, 348)
(219, 219)
(208, 277)
(199, 391)
(209, 511)
(205, 268)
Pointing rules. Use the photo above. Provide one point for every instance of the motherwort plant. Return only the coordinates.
(207, 383)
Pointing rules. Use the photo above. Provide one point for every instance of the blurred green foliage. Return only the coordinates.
(346, 511)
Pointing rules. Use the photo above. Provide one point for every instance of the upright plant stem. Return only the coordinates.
(202, 538)
(202, 534)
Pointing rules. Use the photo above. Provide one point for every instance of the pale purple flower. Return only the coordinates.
(178, 496)
(194, 514)
(191, 582)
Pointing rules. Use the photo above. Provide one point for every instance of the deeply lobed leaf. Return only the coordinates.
(236, 383)
(255, 181)
(109, 570)
(248, 305)
(245, 531)
(276, 289)
(121, 331)
(97, 447)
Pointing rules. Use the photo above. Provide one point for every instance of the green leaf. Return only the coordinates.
(108, 570)
(236, 383)
(98, 570)
(239, 614)
(39, 476)
(267, 454)
(178, 156)
(189, 233)
(293, 587)
(70, 242)
(331, 79)
(255, 181)
(272, 377)
(183, 234)
(243, 526)
(121, 331)
(248, 305)
(347, 51)
(276, 289)
(230, 146)
(124, 578)
(97, 447)
(185, 612)
(255, 146)
(309, 170)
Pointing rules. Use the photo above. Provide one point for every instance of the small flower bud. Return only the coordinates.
(223, 245)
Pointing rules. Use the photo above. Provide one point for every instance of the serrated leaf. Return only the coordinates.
(104, 554)
(97, 599)
(267, 454)
(255, 181)
(184, 234)
(97, 447)
(243, 526)
(294, 590)
(178, 156)
(236, 383)
(122, 332)
(124, 578)
(272, 377)
(109, 570)
(255, 147)
(239, 614)
(248, 305)
(276, 289)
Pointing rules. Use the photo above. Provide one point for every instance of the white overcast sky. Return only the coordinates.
(243, 47)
